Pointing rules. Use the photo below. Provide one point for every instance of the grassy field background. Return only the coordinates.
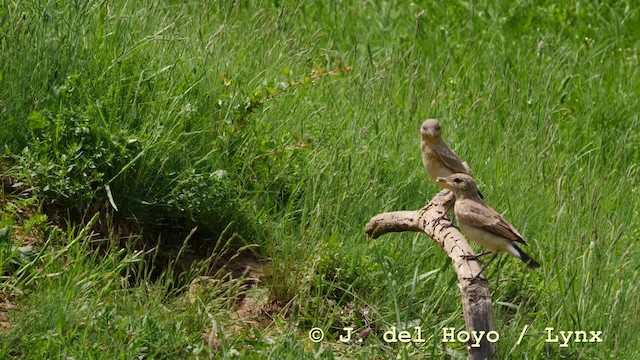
(278, 129)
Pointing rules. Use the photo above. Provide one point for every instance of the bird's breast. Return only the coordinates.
(487, 240)
(433, 164)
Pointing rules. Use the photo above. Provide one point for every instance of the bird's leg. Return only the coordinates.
(444, 214)
(484, 267)
(489, 262)
(475, 257)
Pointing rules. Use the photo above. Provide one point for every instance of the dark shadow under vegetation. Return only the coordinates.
(147, 183)
(76, 168)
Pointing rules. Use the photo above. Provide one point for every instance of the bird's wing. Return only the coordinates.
(484, 217)
(450, 159)
(469, 172)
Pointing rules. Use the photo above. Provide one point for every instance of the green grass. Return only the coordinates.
(285, 127)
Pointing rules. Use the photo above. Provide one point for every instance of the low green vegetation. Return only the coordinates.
(192, 179)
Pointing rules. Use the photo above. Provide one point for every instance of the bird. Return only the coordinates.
(482, 224)
(437, 157)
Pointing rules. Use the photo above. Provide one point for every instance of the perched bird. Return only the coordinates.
(437, 157)
(482, 224)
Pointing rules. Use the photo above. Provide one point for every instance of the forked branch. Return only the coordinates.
(476, 301)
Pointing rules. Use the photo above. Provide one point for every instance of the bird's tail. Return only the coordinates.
(524, 257)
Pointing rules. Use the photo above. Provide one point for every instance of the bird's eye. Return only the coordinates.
(457, 180)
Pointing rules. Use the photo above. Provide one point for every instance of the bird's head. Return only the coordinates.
(460, 184)
(431, 129)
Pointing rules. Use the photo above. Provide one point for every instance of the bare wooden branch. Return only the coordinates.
(476, 301)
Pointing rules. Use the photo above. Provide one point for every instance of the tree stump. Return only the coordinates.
(431, 219)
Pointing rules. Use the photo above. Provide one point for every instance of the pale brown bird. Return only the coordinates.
(437, 157)
(480, 223)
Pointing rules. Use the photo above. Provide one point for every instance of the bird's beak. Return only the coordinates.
(427, 132)
(443, 183)
(441, 180)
